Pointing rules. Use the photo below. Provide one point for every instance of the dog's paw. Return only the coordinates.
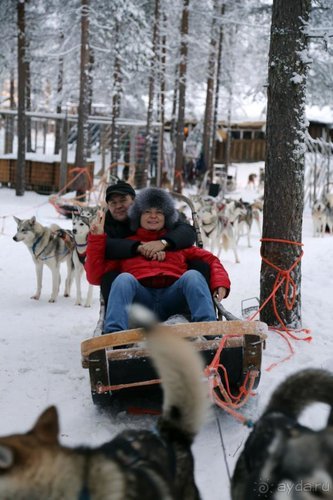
(87, 305)
(35, 297)
(78, 303)
(52, 300)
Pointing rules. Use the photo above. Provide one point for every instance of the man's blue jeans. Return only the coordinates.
(190, 289)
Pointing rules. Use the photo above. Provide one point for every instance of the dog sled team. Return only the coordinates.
(159, 464)
(224, 221)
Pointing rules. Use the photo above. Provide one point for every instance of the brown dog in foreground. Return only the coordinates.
(136, 464)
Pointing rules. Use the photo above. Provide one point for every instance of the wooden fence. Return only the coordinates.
(241, 150)
(40, 176)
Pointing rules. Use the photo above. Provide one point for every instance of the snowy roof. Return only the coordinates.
(320, 115)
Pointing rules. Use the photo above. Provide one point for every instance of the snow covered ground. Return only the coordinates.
(40, 360)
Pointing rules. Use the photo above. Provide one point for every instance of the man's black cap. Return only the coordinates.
(121, 187)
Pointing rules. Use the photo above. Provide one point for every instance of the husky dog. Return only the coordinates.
(251, 181)
(80, 230)
(217, 231)
(136, 464)
(257, 209)
(88, 212)
(46, 247)
(319, 218)
(282, 458)
(329, 200)
(243, 221)
(329, 219)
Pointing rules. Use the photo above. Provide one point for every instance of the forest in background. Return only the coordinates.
(122, 49)
(156, 61)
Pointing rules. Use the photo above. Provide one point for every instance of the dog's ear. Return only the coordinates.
(46, 428)
(6, 457)
(17, 220)
(33, 220)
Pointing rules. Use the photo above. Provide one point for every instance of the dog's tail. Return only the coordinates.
(301, 389)
(180, 368)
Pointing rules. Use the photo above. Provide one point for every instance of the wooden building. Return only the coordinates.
(248, 139)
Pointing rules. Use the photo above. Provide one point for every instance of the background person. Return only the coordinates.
(164, 284)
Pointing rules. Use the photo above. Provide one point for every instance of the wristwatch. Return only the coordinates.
(164, 242)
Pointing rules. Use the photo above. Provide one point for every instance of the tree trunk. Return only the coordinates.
(284, 172)
(80, 184)
(20, 164)
(9, 131)
(116, 101)
(58, 123)
(217, 95)
(91, 132)
(207, 131)
(148, 137)
(64, 153)
(174, 108)
(162, 115)
(181, 103)
(232, 40)
(28, 97)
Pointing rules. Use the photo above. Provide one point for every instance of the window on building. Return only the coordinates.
(247, 134)
(235, 134)
(259, 134)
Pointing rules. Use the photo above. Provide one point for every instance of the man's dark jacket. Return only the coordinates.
(182, 235)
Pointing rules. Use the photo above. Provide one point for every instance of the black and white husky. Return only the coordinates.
(217, 230)
(283, 459)
(46, 248)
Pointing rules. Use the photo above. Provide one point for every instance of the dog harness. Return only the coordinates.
(34, 246)
(139, 451)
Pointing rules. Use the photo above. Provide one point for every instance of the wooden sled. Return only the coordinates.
(121, 371)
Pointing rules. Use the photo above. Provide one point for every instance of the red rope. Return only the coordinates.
(79, 171)
(228, 401)
(283, 277)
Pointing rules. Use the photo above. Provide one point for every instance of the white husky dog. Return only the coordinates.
(217, 231)
(319, 218)
(81, 227)
(46, 247)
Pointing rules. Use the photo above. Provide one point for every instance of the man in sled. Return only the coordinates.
(119, 198)
(164, 283)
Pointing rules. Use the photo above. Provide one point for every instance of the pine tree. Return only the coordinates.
(284, 170)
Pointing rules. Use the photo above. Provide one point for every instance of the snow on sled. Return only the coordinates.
(121, 371)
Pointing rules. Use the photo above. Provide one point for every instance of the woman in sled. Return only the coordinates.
(165, 284)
